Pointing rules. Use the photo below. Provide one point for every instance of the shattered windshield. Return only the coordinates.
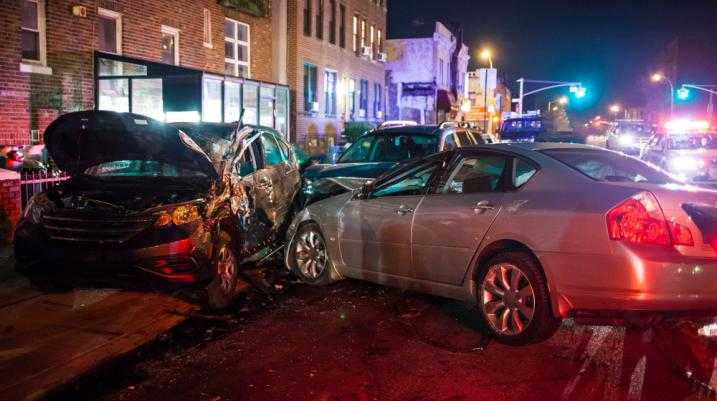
(140, 168)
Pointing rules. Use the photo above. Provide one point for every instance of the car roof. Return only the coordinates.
(407, 130)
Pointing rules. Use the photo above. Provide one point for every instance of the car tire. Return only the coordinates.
(222, 289)
(513, 300)
(309, 256)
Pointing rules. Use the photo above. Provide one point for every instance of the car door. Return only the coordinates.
(267, 179)
(452, 221)
(290, 177)
(375, 231)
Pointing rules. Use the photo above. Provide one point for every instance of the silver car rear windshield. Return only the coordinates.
(601, 165)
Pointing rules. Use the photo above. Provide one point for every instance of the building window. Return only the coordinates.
(377, 101)
(310, 85)
(33, 31)
(232, 101)
(342, 26)
(351, 98)
(354, 34)
(250, 103)
(320, 19)
(363, 33)
(170, 45)
(363, 98)
(207, 28)
(379, 41)
(330, 81)
(109, 31)
(212, 100)
(307, 17)
(266, 106)
(371, 41)
(236, 48)
(332, 22)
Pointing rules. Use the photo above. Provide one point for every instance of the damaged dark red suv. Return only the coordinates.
(185, 205)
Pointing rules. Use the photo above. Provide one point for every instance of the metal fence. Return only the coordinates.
(33, 182)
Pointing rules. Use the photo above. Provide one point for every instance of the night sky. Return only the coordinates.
(608, 45)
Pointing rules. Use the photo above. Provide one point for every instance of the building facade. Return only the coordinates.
(426, 76)
(489, 99)
(335, 67)
(193, 59)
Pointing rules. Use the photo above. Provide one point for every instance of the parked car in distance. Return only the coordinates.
(522, 129)
(381, 149)
(531, 233)
(144, 195)
(688, 154)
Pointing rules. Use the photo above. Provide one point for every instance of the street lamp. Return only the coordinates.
(486, 54)
(563, 100)
(659, 77)
(615, 108)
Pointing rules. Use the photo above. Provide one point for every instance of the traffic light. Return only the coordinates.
(683, 93)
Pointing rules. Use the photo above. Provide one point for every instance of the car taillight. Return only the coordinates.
(640, 220)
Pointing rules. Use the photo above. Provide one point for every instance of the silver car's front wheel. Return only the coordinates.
(310, 257)
(508, 299)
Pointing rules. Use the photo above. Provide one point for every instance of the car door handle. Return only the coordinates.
(483, 206)
(403, 210)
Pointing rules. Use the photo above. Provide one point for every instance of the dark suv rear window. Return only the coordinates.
(389, 148)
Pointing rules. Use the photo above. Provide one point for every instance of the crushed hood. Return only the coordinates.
(79, 140)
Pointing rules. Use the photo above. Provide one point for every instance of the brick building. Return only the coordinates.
(48, 58)
(173, 60)
(335, 67)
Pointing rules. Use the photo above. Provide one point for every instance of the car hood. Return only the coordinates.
(353, 170)
(77, 141)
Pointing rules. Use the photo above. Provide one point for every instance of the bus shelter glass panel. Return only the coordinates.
(282, 111)
(250, 101)
(113, 95)
(266, 106)
(212, 100)
(147, 98)
(232, 101)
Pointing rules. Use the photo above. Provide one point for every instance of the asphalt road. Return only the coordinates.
(356, 341)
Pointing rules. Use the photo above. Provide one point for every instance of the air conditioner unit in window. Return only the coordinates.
(362, 113)
(381, 57)
(366, 51)
(315, 107)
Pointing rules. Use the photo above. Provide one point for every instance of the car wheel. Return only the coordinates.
(222, 290)
(310, 257)
(513, 300)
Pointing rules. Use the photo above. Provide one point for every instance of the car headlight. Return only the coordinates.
(178, 216)
(626, 139)
(686, 163)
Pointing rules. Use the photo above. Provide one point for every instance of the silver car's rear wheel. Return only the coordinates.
(508, 299)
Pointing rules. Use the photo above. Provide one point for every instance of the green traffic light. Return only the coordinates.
(683, 93)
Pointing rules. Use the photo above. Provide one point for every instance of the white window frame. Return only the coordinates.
(335, 73)
(117, 17)
(236, 42)
(207, 29)
(38, 66)
(175, 32)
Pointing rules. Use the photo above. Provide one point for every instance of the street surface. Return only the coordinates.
(50, 338)
(357, 341)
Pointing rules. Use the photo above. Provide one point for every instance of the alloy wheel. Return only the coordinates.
(507, 299)
(226, 270)
(311, 254)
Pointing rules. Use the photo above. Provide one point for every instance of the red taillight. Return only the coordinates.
(640, 220)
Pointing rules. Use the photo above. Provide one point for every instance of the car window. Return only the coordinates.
(412, 182)
(449, 143)
(271, 151)
(603, 165)
(523, 172)
(465, 138)
(284, 147)
(245, 164)
(474, 174)
(390, 148)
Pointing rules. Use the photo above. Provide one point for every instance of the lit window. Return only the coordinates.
(379, 41)
(212, 100)
(236, 48)
(170, 45)
(109, 31)
(355, 34)
(330, 81)
(207, 28)
(310, 85)
(363, 33)
(373, 49)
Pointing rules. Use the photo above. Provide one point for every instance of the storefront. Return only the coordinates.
(172, 94)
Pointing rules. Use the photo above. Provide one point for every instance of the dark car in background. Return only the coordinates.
(378, 151)
(145, 195)
(522, 129)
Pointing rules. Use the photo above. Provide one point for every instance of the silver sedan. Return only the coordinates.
(531, 233)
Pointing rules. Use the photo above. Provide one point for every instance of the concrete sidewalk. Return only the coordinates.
(50, 339)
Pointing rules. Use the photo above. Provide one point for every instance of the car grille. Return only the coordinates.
(93, 229)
